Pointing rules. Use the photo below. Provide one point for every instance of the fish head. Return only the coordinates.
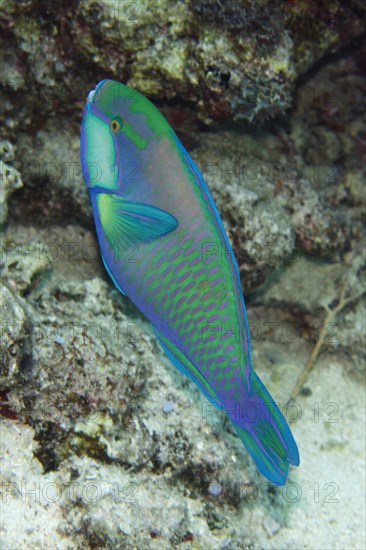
(118, 127)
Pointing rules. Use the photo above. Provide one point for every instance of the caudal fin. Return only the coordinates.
(266, 434)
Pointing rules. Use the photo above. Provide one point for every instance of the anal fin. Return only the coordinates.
(188, 368)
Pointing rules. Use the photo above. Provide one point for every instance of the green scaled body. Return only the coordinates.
(164, 246)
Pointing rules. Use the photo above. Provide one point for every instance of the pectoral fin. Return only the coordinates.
(127, 222)
(187, 368)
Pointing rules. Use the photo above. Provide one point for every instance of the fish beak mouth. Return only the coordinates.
(93, 94)
(90, 97)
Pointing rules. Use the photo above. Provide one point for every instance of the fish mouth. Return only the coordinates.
(90, 97)
(93, 94)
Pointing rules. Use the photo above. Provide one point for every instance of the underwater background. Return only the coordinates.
(103, 443)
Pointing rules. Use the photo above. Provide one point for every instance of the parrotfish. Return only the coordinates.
(165, 247)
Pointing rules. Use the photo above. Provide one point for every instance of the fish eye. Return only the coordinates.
(116, 125)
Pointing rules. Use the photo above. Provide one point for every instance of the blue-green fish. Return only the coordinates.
(164, 245)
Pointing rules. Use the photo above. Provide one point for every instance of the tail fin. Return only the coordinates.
(266, 435)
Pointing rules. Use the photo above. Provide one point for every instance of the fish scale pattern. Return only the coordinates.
(182, 273)
(188, 294)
